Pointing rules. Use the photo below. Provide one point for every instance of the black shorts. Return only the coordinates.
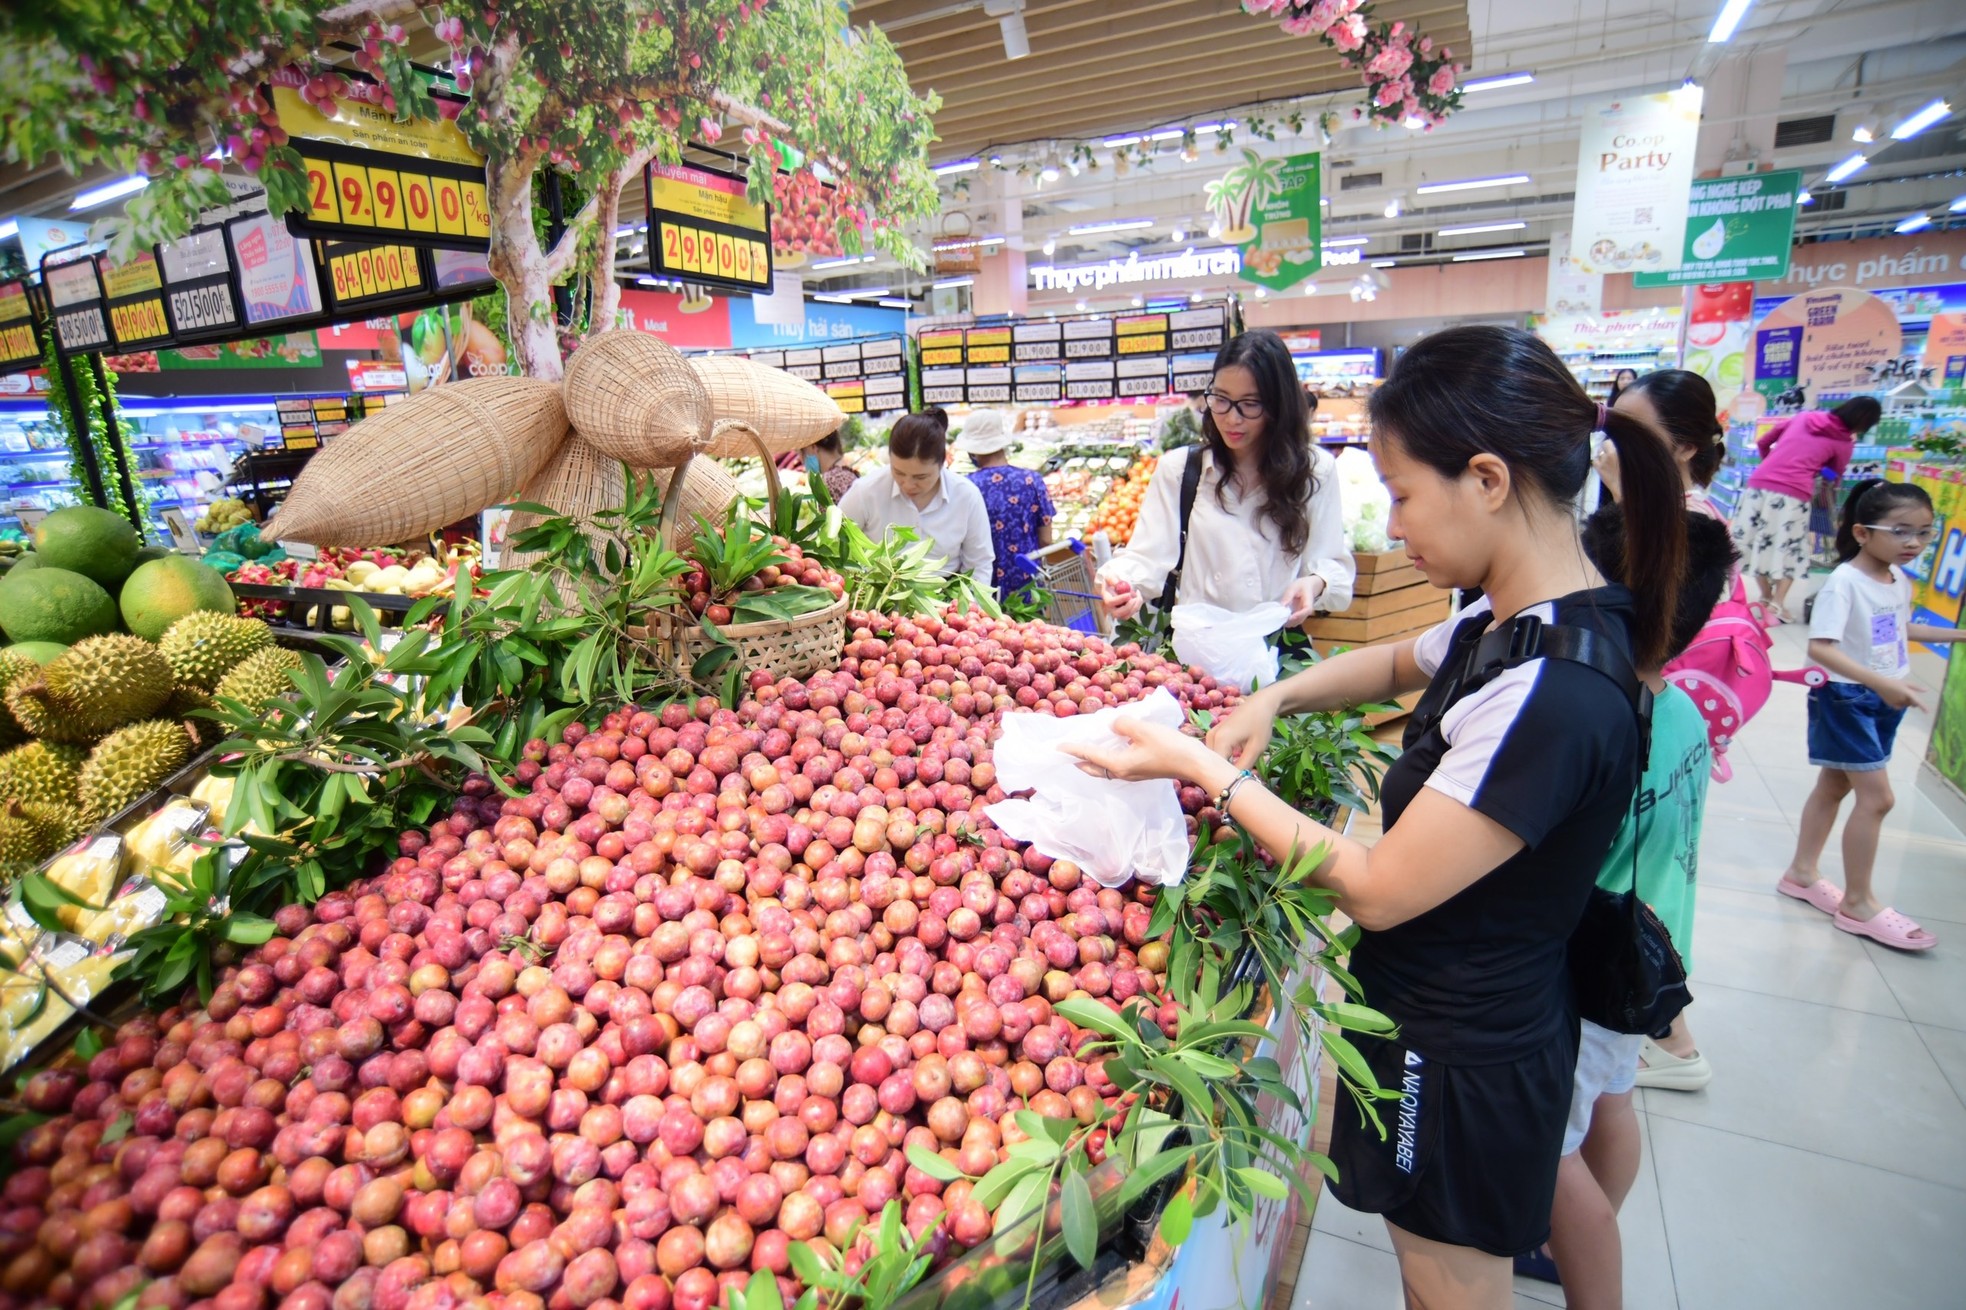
(1470, 1152)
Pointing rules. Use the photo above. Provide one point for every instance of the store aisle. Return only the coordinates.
(1826, 1164)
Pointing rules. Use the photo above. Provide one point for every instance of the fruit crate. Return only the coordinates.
(1391, 602)
(319, 604)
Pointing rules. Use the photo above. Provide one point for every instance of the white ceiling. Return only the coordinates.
(1857, 60)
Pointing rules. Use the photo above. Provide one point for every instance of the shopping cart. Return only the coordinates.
(1064, 574)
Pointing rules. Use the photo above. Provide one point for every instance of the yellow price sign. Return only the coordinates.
(450, 205)
(352, 187)
(419, 204)
(477, 210)
(322, 206)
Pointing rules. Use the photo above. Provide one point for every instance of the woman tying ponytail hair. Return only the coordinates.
(1500, 810)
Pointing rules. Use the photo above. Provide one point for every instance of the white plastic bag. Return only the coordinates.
(1112, 830)
(1229, 647)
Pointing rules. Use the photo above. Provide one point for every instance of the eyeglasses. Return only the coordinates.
(1220, 404)
(1923, 536)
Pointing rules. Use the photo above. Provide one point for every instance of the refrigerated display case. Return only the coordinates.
(34, 462)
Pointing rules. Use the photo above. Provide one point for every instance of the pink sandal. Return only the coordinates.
(1822, 894)
(1890, 928)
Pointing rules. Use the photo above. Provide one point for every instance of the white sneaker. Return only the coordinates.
(1661, 1069)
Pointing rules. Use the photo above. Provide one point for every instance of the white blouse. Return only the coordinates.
(956, 520)
(1234, 557)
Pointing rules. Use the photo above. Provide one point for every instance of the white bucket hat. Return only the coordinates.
(984, 433)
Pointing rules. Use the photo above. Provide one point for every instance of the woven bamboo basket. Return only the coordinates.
(788, 413)
(441, 456)
(633, 398)
(579, 483)
(792, 649)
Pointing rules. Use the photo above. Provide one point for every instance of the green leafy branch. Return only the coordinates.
(897, 1261)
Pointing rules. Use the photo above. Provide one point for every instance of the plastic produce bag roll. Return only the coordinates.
(1112, 830)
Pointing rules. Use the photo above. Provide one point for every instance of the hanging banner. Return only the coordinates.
(1571, 290)
(135, 293)
(362, 277)
(19, 347)
(75, 302)
(198, 285)
(277, 282)
(294, 350)
(1269, 207)
(370, 176)
(1719, 332)
(1634, 177)
(703, 229)
(1823, 343)
(1738, 229)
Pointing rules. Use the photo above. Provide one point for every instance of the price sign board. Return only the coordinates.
(1142, 334)
(276, 278)
(75, 300)
(703, 229)
(198, 285)
(361, 276)
(941, 348)
(986, 345)
(19, 346)
(135, 292)
(371, 178)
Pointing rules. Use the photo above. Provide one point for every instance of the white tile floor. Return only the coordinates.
(1826, 1164)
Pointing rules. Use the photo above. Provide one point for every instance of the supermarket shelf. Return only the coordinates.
(12, 455)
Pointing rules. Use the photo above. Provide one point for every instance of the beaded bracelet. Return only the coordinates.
(1228, 793)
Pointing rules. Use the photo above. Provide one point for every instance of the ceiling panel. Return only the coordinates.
(1100, 67)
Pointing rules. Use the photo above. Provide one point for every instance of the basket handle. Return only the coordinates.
(672, 497)
(724, 425)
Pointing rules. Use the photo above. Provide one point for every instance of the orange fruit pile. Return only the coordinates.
(1119, 512)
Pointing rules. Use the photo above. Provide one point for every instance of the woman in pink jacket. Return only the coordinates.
(1771, 529)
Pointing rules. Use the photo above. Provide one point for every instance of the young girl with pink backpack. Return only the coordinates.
(1727, 669)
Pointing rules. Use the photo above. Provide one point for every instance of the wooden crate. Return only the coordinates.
(1390, 602)
(1425, 609)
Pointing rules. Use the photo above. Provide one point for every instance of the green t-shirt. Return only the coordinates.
(1671, 802)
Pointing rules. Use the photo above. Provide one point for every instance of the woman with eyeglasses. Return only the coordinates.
(1264, 521)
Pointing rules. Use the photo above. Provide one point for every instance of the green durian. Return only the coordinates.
(129, 763)
(30, 832)
(15, 669)
(41, 772)
(203, 646)
(261, 675)
(96, 686)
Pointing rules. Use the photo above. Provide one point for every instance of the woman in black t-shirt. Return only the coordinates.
(1500, 810)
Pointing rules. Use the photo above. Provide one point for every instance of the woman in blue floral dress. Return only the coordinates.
(1020, 507)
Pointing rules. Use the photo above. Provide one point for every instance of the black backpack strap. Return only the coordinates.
(1190, 485)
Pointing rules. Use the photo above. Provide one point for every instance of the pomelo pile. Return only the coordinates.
(621, 1040)
(89, 574)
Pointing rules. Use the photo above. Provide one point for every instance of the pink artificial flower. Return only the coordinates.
(1326, 12)
(1391, 61)
(1442, 81)
(1300, 25)
(1426, 45)
(1349, 33)
(1388, 94)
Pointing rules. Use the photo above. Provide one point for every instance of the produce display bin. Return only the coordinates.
(318, 603)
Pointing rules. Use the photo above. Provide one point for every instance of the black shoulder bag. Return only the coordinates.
(1628, 974)
(1190, 484)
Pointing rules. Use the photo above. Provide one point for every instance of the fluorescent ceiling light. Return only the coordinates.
(946, 283)
(1863, 134)
(964, 243)
(960, 166)
(894, 303)
(841, 263)
(1384, 263)
(834, 300)
(1347, 241)
(861, 293)
(1166, 134)
(1803, 197)
(1847, 168)
(650, 281)
(1489, 254)
(102, 195)
(1203, 129)
(1957, 207)
(9, 230)
(1472, 184)
(1473, 228)
(1498, 81)
(1730, 18)
(1918, 122)
(1916, 223)
(1117, 225)
(1261, 294)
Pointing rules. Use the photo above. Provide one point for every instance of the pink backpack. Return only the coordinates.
(1727, 672)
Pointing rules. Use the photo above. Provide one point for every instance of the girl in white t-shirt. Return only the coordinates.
(1861, 632)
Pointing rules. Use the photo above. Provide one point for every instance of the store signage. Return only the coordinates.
(1570, 289)
(1142, 334)
(989, 345)
(942, 386)
(986, 386)
(1279, 224)
(1217, 262)
(1844, 335)
(371, 176)
(1738, 229)
(43, 236)
(1193, 372)
(1090, 380)
(941, 347)
(198, 285)
(1930, 258)
(702, 228)
(1199, 329)
(75, 301)
(364, 276)
(377, 375)
(19, 347)
(135, 292)
(276, 274)
(851, 397)
(1634, 177)
(1038, 382)
(1627, 330)
(292, 350)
